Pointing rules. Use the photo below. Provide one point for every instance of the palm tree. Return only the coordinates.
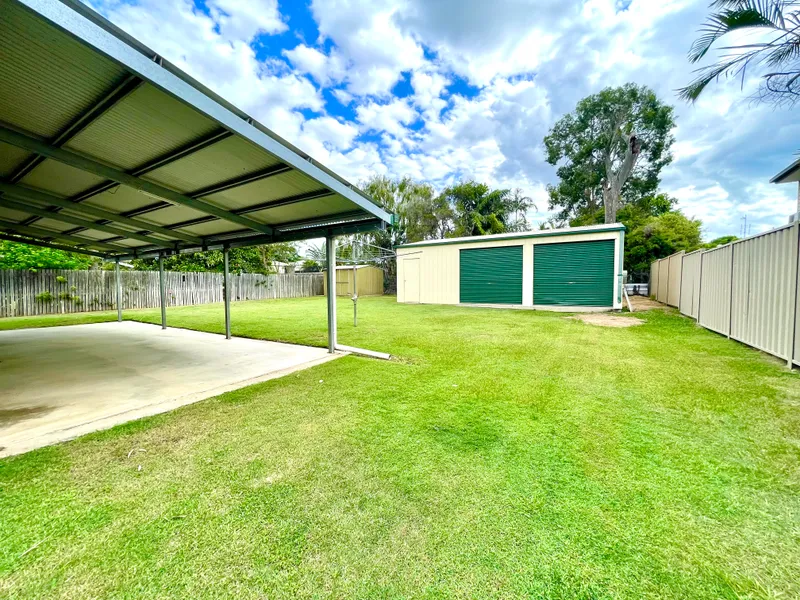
(777, 49)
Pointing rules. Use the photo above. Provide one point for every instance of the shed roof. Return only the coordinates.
(520, 235)
(108, 149)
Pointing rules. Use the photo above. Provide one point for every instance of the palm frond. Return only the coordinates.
(750, 15)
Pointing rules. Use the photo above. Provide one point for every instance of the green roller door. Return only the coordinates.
(574, 274)
(491, 275)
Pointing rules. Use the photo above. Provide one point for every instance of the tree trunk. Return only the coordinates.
(612, 184)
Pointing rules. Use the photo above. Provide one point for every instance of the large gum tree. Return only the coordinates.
(609, 150)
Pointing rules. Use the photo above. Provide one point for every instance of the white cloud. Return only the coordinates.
(528, 62)
(391, 117)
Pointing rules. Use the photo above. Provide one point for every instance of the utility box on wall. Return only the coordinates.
(577, 268)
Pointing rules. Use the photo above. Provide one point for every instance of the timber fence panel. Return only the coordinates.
(25, 293)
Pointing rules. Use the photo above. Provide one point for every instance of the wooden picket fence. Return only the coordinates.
(24, 293)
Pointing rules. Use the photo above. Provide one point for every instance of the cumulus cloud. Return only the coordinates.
(460, 89)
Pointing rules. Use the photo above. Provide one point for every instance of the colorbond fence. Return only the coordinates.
(23, 293)
(747, 290)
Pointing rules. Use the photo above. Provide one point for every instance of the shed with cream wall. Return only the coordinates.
(437, 263)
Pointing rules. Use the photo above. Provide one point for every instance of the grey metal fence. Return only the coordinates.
(23, 293)
(746, 290)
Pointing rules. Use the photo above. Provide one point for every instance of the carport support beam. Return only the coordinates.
(119, 292)
(226, 291)
(163, 288)
(330, 256)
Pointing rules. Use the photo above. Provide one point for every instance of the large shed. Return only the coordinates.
(577, 268)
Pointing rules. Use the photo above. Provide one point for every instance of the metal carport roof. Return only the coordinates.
(108, 149)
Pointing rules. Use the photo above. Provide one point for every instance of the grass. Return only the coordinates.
(501, 454)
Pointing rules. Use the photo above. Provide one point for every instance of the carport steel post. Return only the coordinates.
(330, 256)
(119, 292)
(226, 291)
(163, 290)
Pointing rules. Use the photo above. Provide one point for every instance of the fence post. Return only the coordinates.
(793, 316)
(700, 283)
(730, 300)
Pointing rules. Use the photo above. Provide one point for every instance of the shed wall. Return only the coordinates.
(690, 283)
(715, 292)
(439, 265)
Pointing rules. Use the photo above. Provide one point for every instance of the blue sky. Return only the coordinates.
(443, 90)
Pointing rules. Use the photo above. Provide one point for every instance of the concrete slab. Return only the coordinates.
(61, 382)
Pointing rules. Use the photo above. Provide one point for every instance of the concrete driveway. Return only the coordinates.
(60, 382)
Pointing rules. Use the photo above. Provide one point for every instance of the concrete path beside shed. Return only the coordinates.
(61, 382)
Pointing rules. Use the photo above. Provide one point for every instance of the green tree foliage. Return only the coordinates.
(774, 50)
(720, 241)
(659, 236)
(479, 210)
(15, 255)
(610, 150)
(254, 259)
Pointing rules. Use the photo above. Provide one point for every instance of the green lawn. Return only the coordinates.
(503, 453)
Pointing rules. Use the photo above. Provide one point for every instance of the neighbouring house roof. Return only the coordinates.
(108, 149)
(789, 174)
(520, 235)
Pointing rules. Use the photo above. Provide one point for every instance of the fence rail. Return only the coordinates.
(746, 290)
(23, 293)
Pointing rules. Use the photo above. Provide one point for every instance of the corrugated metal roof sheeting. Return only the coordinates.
(715, 292)
(9, 214)
(690, 283)
(142, 126)
(300, 212)
(214, 227)
(273, 188)
(60, 179)
(171, 214)
(762, 307)
(224, 160)
(44, 66)
(10, 158)
(120, 199)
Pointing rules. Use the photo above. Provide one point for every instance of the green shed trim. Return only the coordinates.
(482, 239)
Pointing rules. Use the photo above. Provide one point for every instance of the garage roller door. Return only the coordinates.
(574, 274)
(491, 275)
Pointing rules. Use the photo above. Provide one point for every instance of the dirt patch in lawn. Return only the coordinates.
(605, 320)
(644, 303)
